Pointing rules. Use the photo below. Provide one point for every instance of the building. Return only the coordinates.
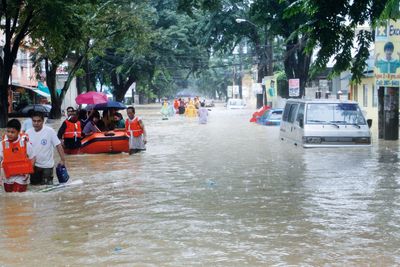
(27, 87)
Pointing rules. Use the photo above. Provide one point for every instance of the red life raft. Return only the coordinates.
(104, 142)
(259, 113)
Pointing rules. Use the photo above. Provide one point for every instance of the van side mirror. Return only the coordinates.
(369, 122)
(301, 122)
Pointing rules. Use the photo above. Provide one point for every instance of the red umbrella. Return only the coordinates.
(91, 98)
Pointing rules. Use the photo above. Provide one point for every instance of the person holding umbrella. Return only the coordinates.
(135, 129)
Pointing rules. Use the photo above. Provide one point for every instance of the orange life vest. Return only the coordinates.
(176, 104)
(15, 160)
(133, 127)
(73, 130)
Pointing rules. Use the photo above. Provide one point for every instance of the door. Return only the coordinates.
(291, 122)
(299, 124)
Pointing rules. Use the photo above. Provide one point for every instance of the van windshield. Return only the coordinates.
(334, 113)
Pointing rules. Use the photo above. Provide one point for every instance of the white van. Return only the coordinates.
(235, 103)
(324, 123)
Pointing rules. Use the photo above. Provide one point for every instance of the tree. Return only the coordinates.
(158, 58)
(264, 25)
(18, 18)
(296, 59)
(56, 39)
(331, 27)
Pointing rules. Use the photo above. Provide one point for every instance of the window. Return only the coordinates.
(374, 96)
(300, 115)
(276, 115)
(341, 113)
(365, 95)
(286, 112)
(292, 112)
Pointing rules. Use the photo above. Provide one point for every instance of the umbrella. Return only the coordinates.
(91, 98)
(109, 105)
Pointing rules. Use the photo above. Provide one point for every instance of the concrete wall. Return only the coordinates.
(365, 94)
(72, 93)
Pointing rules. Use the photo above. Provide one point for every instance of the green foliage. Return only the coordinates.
(331, 26)
(162, 53)
(391, 10)
(281, 75)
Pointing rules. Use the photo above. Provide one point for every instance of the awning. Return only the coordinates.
(45, 89)
(34, 89)
(39, 92)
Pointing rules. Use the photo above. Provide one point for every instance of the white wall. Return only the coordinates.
(72, 93)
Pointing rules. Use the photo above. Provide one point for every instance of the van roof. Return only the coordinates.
(327, 101)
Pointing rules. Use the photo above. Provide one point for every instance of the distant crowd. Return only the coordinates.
(190, 108)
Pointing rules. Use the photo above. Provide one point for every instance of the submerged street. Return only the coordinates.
(228, 193)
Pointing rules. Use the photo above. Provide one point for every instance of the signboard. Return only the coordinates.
(294, 87)
(387, 49)
(229, 91)
(235, 89)
(269, 83)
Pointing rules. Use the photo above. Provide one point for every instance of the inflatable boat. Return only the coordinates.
(104, 142)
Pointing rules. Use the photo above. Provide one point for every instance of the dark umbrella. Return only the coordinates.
(109, 105)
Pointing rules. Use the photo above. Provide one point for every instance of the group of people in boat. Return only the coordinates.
(27, 155)
(85, 123)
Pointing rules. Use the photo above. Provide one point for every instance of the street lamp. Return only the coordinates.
(264, 91)
(245, 20)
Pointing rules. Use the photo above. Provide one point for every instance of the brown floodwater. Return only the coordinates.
(228, 193)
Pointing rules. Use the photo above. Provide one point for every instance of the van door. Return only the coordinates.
(285, 126)
(299, 124)
(291, 121)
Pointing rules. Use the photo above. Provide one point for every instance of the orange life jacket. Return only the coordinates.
(133, 127)
(73, 130)
(15, 160)
(176, 104)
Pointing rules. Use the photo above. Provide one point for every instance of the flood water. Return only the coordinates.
(228, 193)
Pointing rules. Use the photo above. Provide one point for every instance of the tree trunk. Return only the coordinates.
(87, 75)
(3, 96)
(51, 72)
(120, 88)
(297, 63)
(240, 82)
(3, 105)
(79, 85)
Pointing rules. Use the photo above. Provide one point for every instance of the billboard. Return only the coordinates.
(294, 87)
(387, 54)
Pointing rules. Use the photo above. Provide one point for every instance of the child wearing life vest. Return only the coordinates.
(17, 159)
(136, 132)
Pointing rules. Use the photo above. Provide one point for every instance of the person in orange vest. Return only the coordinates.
(135, 129)
(71, 132)
(176, 105)
(16, 156)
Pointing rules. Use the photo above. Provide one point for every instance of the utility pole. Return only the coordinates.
(240, 71)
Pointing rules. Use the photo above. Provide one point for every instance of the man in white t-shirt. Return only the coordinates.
(43, 139)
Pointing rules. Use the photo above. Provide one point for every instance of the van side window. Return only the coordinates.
(300, 114)
(292, 112)
(286, 112)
